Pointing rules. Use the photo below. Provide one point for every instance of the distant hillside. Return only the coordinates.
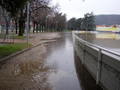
(107, 19)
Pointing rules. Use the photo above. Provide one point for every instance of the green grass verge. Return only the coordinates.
(8, 49)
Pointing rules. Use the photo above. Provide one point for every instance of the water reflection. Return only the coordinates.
(88, 36)
(104, 39)
(111, 36)
(26, 72)
(61, 62)
(46, 68)
(42, 68)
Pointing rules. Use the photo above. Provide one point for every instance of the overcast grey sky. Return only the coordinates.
(77, 8)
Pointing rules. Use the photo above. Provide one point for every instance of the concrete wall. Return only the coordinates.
(104, 69)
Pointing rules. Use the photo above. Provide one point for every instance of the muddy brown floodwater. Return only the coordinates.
(49, 66)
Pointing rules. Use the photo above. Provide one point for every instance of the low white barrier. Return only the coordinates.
(103, 64)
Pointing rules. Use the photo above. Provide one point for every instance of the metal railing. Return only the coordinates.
(100, 51)
(95, 46)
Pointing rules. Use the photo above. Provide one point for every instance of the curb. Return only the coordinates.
(14, 54)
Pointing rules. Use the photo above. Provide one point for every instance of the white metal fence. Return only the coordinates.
(103, 64)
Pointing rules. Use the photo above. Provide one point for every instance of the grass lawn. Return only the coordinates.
(8, 49)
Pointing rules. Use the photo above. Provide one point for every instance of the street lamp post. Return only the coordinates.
(27, 24)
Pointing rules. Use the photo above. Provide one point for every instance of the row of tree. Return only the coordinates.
(48, 19)
(87, 23)
(42, 16)
(10, 10)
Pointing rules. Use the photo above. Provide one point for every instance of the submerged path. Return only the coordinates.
(49, 66)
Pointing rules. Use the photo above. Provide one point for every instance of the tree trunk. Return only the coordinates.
(16, 26)
(7, 28)
(21, 27)
(33, 27)
(21, 24)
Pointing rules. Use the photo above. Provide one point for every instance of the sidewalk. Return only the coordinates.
(43, 37)
(34, 39)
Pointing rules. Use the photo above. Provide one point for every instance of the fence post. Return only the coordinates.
(83, 59)
(99, 66)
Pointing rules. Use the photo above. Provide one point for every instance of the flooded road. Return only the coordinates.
(61, 61)
(47, 67)
(107, 40)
